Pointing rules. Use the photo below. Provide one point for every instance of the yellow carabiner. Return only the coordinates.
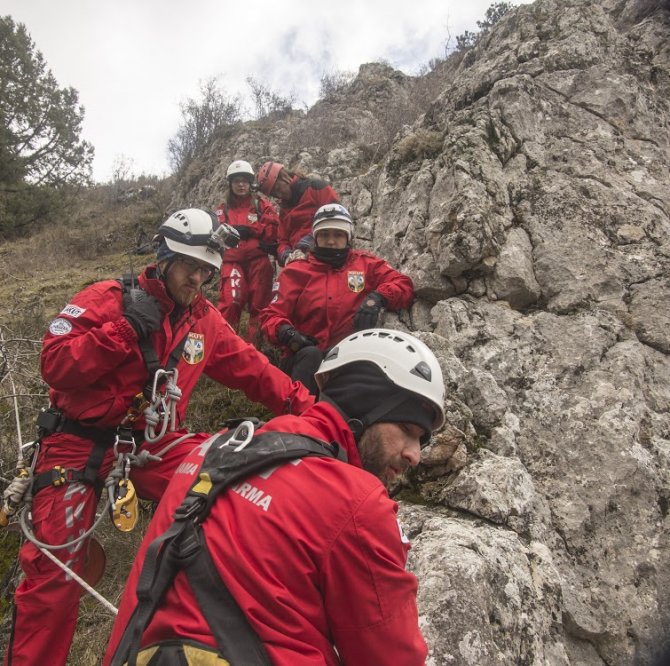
(124, 510)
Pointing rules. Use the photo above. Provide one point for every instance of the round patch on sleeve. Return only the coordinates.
(60, 327)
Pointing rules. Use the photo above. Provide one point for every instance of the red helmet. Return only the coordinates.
(267, 176)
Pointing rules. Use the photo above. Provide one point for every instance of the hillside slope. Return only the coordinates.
(524, 187)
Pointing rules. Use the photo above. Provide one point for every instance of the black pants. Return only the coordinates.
(302, 366)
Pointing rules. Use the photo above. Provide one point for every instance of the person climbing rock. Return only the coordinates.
(337, 290)
(305, 561)
(246, 272)
(299, 197)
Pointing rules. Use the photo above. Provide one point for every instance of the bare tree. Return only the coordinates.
(201, 120)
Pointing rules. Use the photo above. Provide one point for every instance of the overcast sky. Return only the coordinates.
(134, 61)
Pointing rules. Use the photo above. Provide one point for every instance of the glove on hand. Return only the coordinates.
(142, 311)
(293, 339)
(296, 255)
(270, 248)
(243, 231)
(368, 312)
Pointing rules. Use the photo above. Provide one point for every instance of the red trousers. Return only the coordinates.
(47, 601)
(249, 284)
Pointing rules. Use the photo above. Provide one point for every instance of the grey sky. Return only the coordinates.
(133, 61)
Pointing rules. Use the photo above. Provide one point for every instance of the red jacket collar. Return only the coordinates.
(321, 421)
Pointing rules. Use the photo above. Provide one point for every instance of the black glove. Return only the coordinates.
(142, 311)
(293, 339)
(368, 312)
(242, 230)
(270, 248)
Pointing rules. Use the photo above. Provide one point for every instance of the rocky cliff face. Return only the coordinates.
(530, 202)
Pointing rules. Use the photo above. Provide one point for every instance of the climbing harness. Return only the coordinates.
(231, 457)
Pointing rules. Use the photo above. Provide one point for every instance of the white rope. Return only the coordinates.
(81, 581)
(3, 351)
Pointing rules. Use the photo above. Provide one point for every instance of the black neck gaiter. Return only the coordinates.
(331, 256)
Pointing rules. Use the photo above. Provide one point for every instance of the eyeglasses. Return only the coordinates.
(193, 266)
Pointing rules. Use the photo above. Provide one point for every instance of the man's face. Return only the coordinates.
(282, 187)
(185, 277)
(387, 450)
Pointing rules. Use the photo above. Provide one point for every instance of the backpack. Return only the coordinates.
(182, 547)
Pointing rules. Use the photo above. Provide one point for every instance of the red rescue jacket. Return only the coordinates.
(261, 218)
(94, 367)
(296, 215)
(312, 552)
(319, 300)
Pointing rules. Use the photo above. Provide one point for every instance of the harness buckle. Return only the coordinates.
(124, 437)
(61, 475)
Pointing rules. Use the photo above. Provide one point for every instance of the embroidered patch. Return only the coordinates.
(252, 217)
(355, 281)
(73, 310)
(275, 286)
(194, 349)
(60, 327)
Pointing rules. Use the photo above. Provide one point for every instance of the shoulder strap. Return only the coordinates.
(128, 282)
(181, 547)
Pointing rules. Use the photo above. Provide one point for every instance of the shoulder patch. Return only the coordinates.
(60, 326)
(194, 349)
(356, 281)
(73, 310)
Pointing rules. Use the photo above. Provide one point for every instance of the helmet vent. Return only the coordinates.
(332, 354)
(422, 370)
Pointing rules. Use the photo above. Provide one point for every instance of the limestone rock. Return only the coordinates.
(527, 195)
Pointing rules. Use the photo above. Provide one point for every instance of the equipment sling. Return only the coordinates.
(182, 546)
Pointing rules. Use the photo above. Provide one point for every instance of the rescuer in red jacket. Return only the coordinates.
(336, 291)
(299, 197)
(97, 357)
(311, 552)
(246, 273)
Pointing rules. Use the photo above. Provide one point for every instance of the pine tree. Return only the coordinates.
(41, 151)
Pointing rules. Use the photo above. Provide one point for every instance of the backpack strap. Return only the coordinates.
(128, 282)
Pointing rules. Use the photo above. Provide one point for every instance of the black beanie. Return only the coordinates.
(365, 394)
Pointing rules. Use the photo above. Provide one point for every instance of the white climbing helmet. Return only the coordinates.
(406, 361)
(240, 168)
(190, 232)
(333, 216)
